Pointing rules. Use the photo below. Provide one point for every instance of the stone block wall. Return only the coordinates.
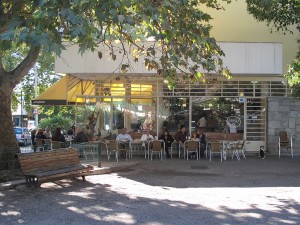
(283, 114)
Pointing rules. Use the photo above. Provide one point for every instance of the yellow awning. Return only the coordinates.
(71, 90)
(65, 91)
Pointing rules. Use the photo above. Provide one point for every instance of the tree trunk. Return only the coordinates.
(8, 143)
(8, 80)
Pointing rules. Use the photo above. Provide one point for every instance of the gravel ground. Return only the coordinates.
(253, 191)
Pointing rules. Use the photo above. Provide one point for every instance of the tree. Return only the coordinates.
(181, 32)
(281, 15)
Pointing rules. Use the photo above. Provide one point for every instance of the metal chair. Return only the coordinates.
(55, 145)
(90, 149)
(215, 148)
(158, 147)
(285, 142)
(39, 144)
(104, 147)
(115, 146)
(191, 146)
(47, 144)
(240, 148)
(174, 147)
(231, 147)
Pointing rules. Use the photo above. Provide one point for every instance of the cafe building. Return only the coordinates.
(140, 99)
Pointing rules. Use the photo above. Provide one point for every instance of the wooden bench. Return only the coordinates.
(41, 167)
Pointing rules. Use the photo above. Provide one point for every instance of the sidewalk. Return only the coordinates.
(253, 167)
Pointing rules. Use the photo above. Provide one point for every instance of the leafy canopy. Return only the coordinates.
(281, 15)
(179, 28)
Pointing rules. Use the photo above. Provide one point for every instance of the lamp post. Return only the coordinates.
(21, 123)
(36, 115)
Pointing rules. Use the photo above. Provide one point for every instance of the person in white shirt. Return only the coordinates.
(146, 137)
(124, 136)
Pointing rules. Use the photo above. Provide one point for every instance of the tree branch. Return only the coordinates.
(27, 63)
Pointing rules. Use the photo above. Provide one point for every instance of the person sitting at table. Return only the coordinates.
(48, 133)
(146, 137)
(40, 134)
(202, 137)
(195, 136)
(168, 139)
(181, 136)
(81, 137)
(124, 137)
(58, 136)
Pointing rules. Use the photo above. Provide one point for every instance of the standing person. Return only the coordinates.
(202, 123)
(181, 136)
(168, 139)
(48, 133)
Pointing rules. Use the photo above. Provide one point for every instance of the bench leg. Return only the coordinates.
(83, 177)
(32, 181)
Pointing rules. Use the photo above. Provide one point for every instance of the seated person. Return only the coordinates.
(181, 136)
(202, 137)
(48, 133)
(168, 139)
(81, 137)
(146, 137)
(124, 137)
(40, 134)
(195, 136)
(58, 136)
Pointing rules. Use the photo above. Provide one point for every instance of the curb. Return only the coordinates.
(97, 171)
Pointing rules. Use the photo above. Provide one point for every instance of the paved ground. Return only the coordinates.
(253, 191)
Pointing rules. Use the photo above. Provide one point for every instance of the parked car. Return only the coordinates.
(23, 135)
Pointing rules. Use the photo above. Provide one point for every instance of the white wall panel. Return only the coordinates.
(241, 58)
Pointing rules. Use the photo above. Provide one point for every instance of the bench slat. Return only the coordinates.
(52, 165)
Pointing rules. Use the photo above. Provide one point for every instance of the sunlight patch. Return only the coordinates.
(120, 218)
(10, 213)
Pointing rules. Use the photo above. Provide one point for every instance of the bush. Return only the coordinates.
(56, 121)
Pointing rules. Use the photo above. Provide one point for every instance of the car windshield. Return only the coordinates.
(18, 130)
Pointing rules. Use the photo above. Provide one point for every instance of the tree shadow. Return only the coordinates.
(77, 202)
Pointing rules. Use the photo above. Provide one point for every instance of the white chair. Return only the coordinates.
(231, 147)
(191, 146)
(240, 148)
(157, 147)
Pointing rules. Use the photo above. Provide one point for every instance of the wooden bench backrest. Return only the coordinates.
(47, 160)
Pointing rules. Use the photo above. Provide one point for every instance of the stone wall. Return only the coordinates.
(283, 114)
